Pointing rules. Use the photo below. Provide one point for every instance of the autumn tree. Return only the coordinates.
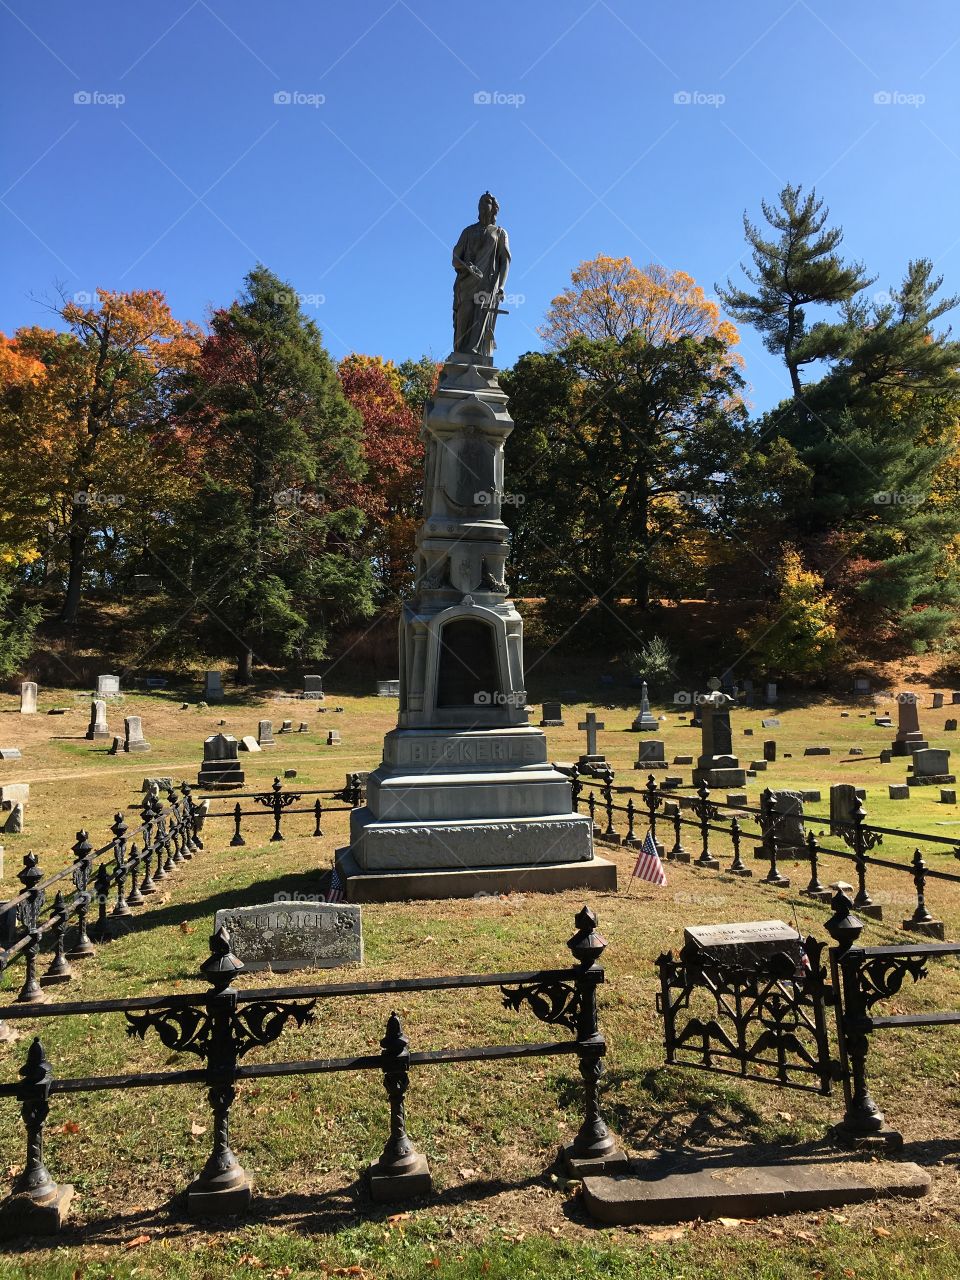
(95, 414)
(611, 298)
(273, 540)
(391, 490)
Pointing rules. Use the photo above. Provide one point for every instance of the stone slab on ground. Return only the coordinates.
(411, 886)
(749, 1191)
(281, 936)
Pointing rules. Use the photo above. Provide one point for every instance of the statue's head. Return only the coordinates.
(488, 209)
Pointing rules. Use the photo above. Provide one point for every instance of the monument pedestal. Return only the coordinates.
(465, 800)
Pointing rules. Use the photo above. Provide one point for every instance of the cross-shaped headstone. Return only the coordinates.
(591, 725)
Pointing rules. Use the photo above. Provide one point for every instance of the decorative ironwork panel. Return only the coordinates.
(556, 1003)
(764, 1022)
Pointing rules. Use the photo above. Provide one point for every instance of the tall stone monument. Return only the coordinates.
(465, 800)
(717, 765)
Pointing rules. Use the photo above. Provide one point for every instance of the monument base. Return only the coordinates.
(20, 1215)
(413, 1182)
(908, 747)
(597, 874)
(720, 777)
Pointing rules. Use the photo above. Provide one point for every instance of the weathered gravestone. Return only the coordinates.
(770, 750)
(12, 822)
(133, 739)
(771, 722)
(10, 753)
(28, 698)
(650, 755)
(788, 829)
(844, 798)
(333, 738)
(281, 936)
(265, 733)
(770, 693)
(930, 765)
(286, 727)
(160, 784)
(212, 686)
(861, 685)
(644, 721)
(221, 768)
(97, 728)
(937, 701)
(552, 715)
(752, 944)
(717, 765)
(909, 738)
(950, 726)
(313, 687)
(249, 743)
(897, 791)
(108, 686)
(388, 688)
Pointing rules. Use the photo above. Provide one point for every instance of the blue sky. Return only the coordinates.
(357, 187)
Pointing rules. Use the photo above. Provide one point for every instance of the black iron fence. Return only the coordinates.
(279, 804)
(759, 1011)
(622, 814)
(223, 1024)
(87, 901)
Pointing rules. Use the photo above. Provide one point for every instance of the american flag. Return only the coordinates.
(648, 866)
(336, 887)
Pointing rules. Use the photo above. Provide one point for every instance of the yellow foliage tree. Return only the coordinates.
(610, 297)
(794, 635)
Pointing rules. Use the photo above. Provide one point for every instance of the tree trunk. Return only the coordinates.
(77, 539)
(244, 664)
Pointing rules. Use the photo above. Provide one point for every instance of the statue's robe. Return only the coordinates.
(474, 318)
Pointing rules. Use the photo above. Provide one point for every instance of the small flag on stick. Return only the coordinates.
(648, 865)
(336, 887)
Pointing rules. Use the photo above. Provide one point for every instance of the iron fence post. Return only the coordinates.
(401, 1171)
(82, 869)
(768, 827)
(737, 866)
(37, 1205)
(59, 969)
(29, 912)
(594, 1149)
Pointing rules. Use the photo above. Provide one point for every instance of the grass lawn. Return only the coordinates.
(490, 1131)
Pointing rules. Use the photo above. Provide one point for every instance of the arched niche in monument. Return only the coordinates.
(467, 669)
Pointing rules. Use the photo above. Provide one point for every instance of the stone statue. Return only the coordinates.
(481, 260)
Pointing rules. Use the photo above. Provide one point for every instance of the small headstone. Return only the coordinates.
(286, 727)
(748, 733)
(844, 715)
(810, 797)
(747, 943)
(855, 751)
(28, 698)
(861, 685)
(14, 793)
(133, 739)
(552, 715)
(955, 697)
(683, 759)
(388, 688)
(737, 799)
(591, 725)
(10, 753)
(220, 768)
(843, 804)
(770, 750)
(758, 766)
(937, 701)
(58, 711)
(212, 686)
(108, 686)
(788, 825)
(265, 736)
(333, 738)
(886, 756)
(116, 746)
(771, 722)
(898, 791)
(950, 726)
(161, 784)
(155, 682)
(97, 728)
(671, 781)
(15, 823)
(948, 795)
(816, 751)
(930, 764)
(770, 692)
(650, 755)
(289, 773)
(249, 743)
(313, 687)
(883, 722)
(304, 727)
(281, 936)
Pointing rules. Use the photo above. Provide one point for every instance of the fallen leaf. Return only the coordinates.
(69, 1126)
(467, 1173)
(250, 1260)
(881, 1231)
(185, 928)
(197, 1129)
(730, 1222)
(136, 1242)
(671, 1233)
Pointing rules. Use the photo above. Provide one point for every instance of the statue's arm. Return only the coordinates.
(459, 262)
(504, 257)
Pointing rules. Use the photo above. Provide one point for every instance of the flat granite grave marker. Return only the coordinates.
(650, 755)
(930, 765)
(745, 942)
(10, 753)
(28, 698)
(281, 936)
